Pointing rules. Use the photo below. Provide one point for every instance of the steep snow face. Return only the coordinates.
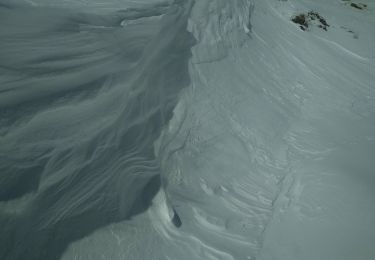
(268, 154)
(83, 98)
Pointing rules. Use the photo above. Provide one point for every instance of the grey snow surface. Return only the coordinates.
(187, 130)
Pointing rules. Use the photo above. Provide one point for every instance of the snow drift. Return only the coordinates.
(210, 129)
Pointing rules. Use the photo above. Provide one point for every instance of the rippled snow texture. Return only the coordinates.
(207, 129)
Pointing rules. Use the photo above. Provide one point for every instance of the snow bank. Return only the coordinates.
(210, 129)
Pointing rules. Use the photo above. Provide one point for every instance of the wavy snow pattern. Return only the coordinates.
(208, 129)
(83, 99)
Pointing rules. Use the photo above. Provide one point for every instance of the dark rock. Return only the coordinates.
(356, 6)
(304, 20)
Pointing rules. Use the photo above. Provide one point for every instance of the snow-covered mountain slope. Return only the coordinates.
(269, 153)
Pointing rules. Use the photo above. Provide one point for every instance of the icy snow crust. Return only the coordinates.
(208, 129)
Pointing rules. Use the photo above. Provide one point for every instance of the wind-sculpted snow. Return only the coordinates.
(83, 98)
(186, 130)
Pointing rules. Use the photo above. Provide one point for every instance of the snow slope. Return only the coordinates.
(269, 153)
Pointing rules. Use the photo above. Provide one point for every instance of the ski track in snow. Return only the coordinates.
(207, 129)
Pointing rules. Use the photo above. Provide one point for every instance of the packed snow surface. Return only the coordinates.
(187, 130)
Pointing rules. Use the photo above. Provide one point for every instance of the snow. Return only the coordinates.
(265, 144)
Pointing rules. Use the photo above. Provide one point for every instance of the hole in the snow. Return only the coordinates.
(176, 220)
